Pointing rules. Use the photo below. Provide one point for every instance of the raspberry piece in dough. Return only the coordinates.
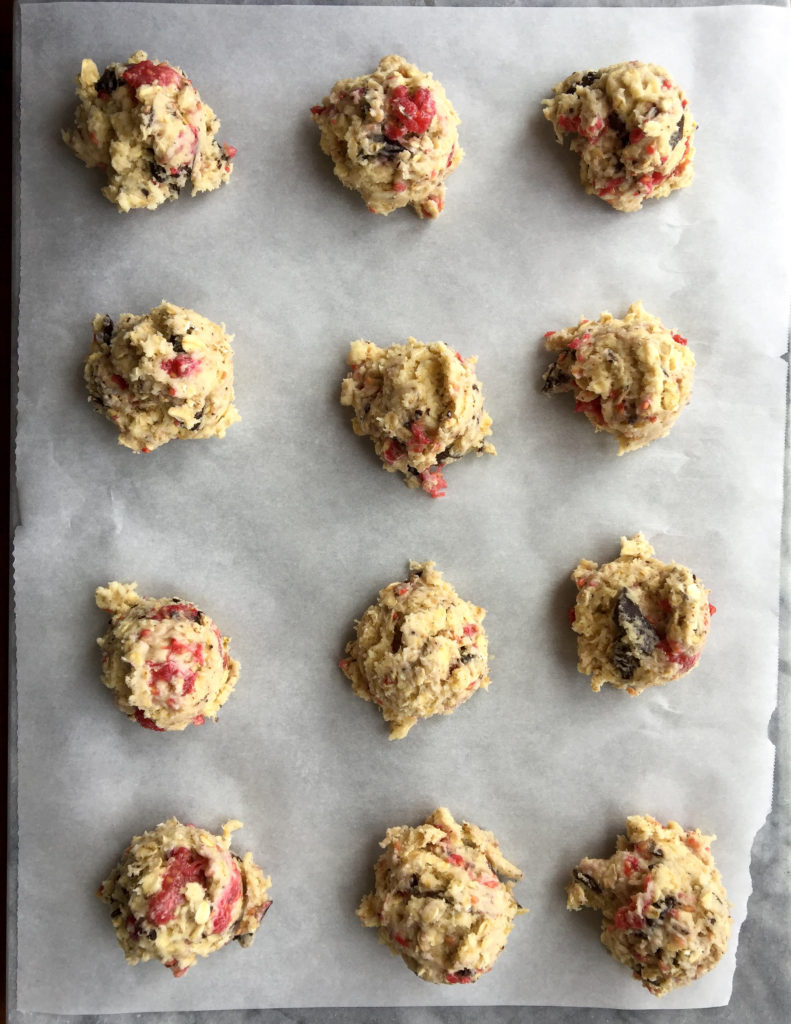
(421, 405)
(392, 135)
(179, 892)
(164, 659)
(438, 900)
(144, 124)
(665, 913)
(161, 376)
(639, 622)
(631, 127)
(419, 651)
(630, 377)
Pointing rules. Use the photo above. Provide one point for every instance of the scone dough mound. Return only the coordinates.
(419, 651)
(179, 892)
(630, 377)
(664, 909)
(639, 622)
(145, 125)
(392, 136)
(632, 129)
(421, 405)
(162, 375)
(164, 659)
(438, 901)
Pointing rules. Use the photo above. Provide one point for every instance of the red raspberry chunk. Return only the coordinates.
(148, 73)
(184, 866)
(409, 114)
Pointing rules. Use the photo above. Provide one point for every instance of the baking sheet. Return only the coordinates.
(285, 530)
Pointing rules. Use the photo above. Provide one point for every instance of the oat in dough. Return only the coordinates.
(164, 659)
(639, 622)
(162, 375)
(392, 135)
(438, 901)
(632, 129)
(630, 377)
(419, 651)
(664, 909)
(144, 124)
(179, 892)
(421, 405)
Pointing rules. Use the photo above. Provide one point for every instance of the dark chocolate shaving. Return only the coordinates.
(555, 378)
(678, 134)
(587, 881)
(107, 329)
(108, 82)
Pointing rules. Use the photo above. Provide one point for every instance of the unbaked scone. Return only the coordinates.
(639, 622)
(664, 909)
(179, 892)
(144, 124)
(630, 377)
(162, 375)
(164, 659)
(631, 127)
(421, 405)
(438, 901)
(392, 135)
(419, 651)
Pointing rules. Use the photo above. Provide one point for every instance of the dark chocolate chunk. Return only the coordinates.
(115, 912)
(176, 340)
(395, 646)
(587, 79)
(391, 148)
(465, 972)
(466, 656)
(413, 881)
(555, 378)
(198, 419)
(678, 134)
(158, 172)
(587, 881)
(107, 329)
(636, 636)
(145, 192)
(618, 125)
(108, 82)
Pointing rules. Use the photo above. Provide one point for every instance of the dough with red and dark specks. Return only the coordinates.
(439, 902)
(421, 405)
(179, 892)
(162, 375)
(144, 124)
(630, 377)
(639, 622)
(665, 913)
(421, 650)
(164, 659)
(392, 135)
(631, 127)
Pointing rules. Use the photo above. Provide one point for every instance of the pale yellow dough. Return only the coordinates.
(179, 892)
(630, 377)
(162, 375)
(164, 659)
(419, 651)
(639, 622)
(392, 135)
(665, 913)
(438, 901)
(144, 124)
(631, 126)
(421, 405)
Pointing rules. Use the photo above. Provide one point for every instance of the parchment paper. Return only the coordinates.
(285, 530)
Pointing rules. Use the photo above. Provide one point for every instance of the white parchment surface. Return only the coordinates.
(285, 531)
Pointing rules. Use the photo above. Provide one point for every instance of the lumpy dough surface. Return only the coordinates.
(639, 622)
(162, 375)
(630, 377)
(392, 135)
(419, 651)
(144, 124)
(164, 659)
(631, 127)
(421, 405)
(179, 892)
(439, 902)
(664, 909)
